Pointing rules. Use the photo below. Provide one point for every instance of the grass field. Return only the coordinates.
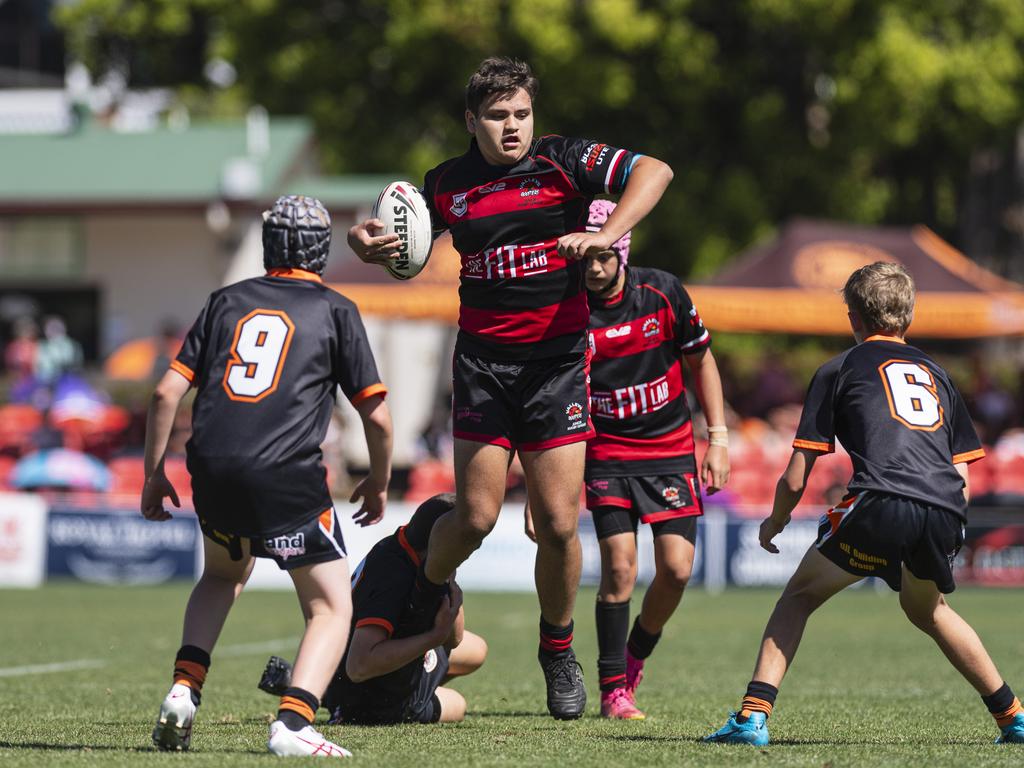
(866, 690)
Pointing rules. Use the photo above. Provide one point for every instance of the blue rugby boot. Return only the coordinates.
(1013, 732)
(754, 731)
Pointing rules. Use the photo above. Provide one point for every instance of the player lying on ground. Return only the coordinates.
(516, 207)
(394, 669)
(907, 430)
(641, 465)
(266, 356)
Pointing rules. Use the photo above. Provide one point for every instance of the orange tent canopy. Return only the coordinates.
(789, 285)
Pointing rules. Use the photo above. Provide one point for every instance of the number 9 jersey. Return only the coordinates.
(900, 418)
(266, 356)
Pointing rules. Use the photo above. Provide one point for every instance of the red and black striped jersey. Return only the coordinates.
(266, 356)
(518, 298)
(900, 418)
(637, 393)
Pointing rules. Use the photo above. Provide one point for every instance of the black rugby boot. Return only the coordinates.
(567, 696)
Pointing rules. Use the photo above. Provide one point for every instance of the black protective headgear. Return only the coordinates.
(296, 234)
(417, 532)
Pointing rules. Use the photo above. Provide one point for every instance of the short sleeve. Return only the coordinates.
(690, 333)
(817, 430)
(594, 167)
(381, 592)
(355, 369)
(965, 444)
(191, 357)
(428, 191)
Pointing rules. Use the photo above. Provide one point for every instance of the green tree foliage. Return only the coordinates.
(861, 110)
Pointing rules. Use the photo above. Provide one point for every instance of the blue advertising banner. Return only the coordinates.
(106, 546)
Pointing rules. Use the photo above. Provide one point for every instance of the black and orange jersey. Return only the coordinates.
(266, 356)
(900, 418)
(381, 589)
(519, 298)
(637, 392)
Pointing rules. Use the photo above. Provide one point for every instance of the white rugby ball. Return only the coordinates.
(404, 212)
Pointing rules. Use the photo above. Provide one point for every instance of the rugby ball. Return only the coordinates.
(404, 212)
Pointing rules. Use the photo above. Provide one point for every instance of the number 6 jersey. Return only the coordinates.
(266, 355)
(900, 418)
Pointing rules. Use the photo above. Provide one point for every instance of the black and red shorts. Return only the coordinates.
(620, 504)
(529, 405)
(318, 540)
(875, 534)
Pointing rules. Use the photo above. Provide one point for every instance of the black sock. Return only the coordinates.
(999, 701)
(298, 708)
(641, 642)
(760, 697)
(555, 641)
(191, 664)
(612, 628)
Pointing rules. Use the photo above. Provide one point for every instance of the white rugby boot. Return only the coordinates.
(288, 743)
(173, 731)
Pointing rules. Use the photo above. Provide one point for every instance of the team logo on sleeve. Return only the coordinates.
(291, 545)
(575, 414)
(593, 154)
(651, 327)
(459, 205)
(695, 320)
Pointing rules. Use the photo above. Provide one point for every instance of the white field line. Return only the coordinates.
(238, 649)
(44, 669)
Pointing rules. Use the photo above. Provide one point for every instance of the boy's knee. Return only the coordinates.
(676, 578)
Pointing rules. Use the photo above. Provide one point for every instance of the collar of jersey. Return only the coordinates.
(295, 274)
(408, 547)
(880, 337)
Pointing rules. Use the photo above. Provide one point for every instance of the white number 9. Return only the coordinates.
(258, 353)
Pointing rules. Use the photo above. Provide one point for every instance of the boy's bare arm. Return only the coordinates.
(159, 421)
(373, 489)
(714, 469)
(372, 653)
(788, 491)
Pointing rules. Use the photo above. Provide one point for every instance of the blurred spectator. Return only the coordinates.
(57, 353)
(992, 406)
(20, 354)
(773, 386)
(168, 344)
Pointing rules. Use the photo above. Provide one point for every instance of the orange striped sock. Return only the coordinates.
(297, 708)
(754, 704)
(190, 673)
(1005, 717)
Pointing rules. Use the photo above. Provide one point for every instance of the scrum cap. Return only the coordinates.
(600, 210)
(296, 234)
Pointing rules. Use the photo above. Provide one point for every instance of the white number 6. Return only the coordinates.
(913, 400)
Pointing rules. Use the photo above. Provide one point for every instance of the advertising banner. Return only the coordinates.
(22, 539)
(107, 546)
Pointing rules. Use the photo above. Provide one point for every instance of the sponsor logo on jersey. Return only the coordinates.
(508, 261)
(574, 411)
(671, 495)
(615, 333)
(459, 205)
(430, 660)
(486, 189)
(593, 154)
(529, 187)
(634, 400)
(291, 545)
(651, 327)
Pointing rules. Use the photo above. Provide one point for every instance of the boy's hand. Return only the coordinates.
(576, 245)
(157, 487)
(371, 248)
(771, 528)
(375, 498)
(446, 614)
(714, 469)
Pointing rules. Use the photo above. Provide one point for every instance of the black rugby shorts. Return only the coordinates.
(874, 534)
(527, 405)
(669, 503)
